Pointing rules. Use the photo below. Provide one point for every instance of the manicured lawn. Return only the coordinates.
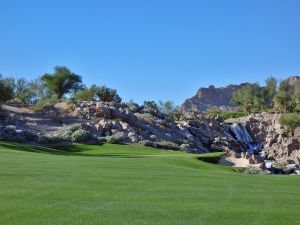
(115, 184)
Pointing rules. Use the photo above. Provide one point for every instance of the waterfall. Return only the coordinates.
(242, 135)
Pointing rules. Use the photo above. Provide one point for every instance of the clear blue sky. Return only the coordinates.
(152, 50)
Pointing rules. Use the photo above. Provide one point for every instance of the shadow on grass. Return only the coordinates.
(210, 159)
(71, 150)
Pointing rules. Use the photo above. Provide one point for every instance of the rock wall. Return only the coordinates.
(266, 129)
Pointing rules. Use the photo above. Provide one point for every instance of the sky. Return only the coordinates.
(152, 50)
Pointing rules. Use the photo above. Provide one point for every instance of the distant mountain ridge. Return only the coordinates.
(217, 97)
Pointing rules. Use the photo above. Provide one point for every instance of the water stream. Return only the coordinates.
(242, 135)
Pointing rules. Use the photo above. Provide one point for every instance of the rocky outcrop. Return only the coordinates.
(293, 79)
(111, 118)
(212, 97)
(278, 145)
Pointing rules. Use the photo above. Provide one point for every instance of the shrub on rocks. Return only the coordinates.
(133, 107)
(112, 140)
(148, 143)
(102, 140)
(184, 147)
(80, 136)
(117, 138)
(168, 145)
(66, 132)
(253, 170)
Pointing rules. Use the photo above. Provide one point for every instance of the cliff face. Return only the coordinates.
(293, 79)
(212, 97)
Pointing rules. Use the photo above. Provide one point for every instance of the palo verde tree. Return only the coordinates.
(285, 99)
(62, 81)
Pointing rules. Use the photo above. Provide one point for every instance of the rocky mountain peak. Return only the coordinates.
(212, 97)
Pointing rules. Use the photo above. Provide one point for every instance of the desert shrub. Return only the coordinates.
(175, 115)
(227, 115)
(44, 103)
(148, 143)
(168, 145)
(66, 132)
(112, 140)
(116, 138)
(133, 107)
(212, 112)
(101, 139)
(80, 135)
(291, 121)
(85, 95)
(150, 107)
(147, 117)
(254, 171)
(184, 147)
(106, 94)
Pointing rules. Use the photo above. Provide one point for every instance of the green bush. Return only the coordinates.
(297, 109)
(168, 145)
(133, 107)
(80, 136)
(254, 171)
(148, 143)
(117, 138)
(185, 147)
(42, 103)
(227, 115)
(291, 121)
(112, 140)
(102, 139)
(147, 117)
(66, 132)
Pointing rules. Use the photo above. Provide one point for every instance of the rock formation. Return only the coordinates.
(212, 97)
(277, 144)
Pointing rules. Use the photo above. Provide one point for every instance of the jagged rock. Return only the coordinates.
(265, 128)
(211, 96)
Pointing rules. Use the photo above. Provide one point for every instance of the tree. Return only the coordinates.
(62, 81)
(285, 99)
(166, 107)
(291, 121)
(38, 87)
(86, 94)
(6, 91)
(106, 94)
(244, 97)
(169, 108)
(270, 89)
(297, 91)
(150, 106)
(24, 91)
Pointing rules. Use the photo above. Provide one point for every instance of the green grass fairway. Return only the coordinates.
(120, 184)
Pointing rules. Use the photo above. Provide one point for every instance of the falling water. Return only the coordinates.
(242, 135)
